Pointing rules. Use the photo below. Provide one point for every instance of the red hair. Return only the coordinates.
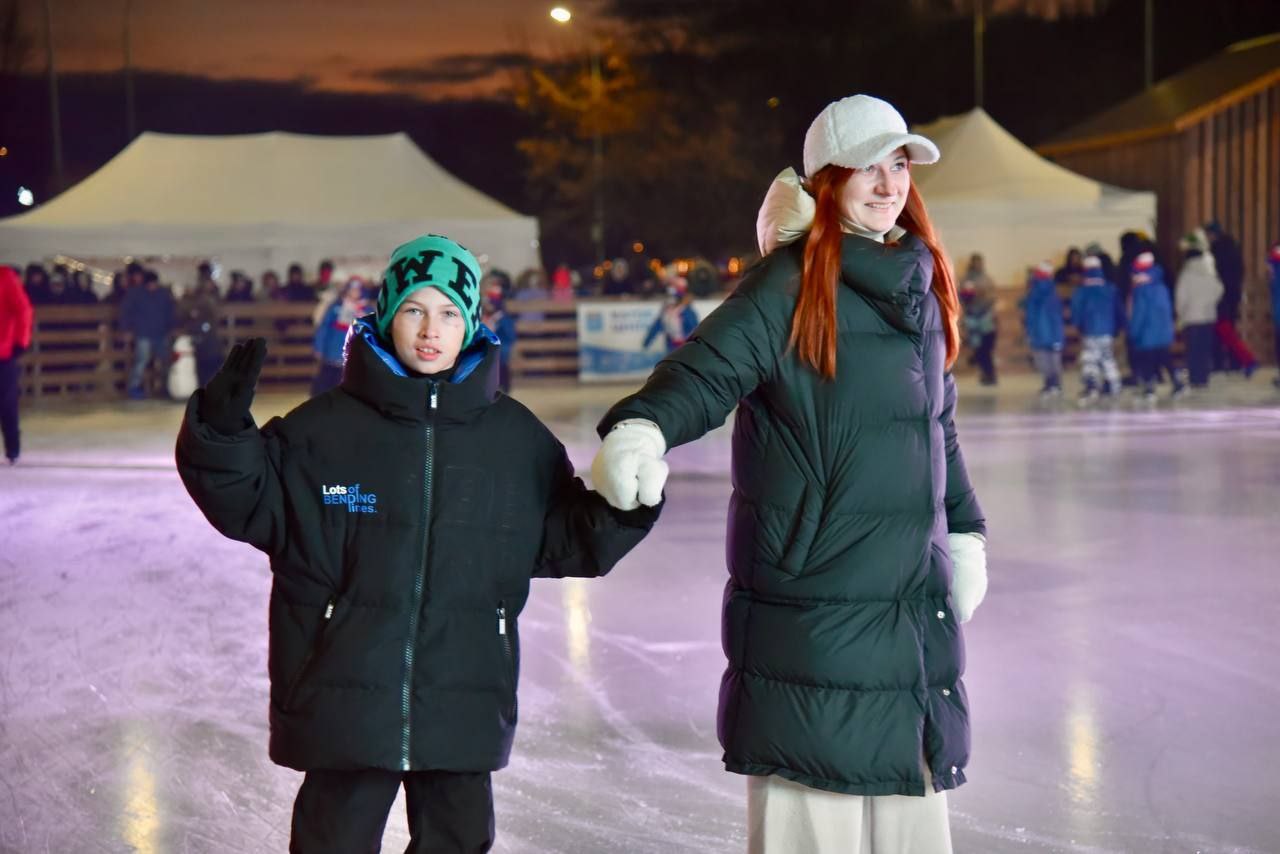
(813, 326)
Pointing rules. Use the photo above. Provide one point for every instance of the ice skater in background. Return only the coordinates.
(978, 298)
(1093, 313)
(16, 319)
(404, 513)
(1196, 297)
(677, 319)
(1042, 316)
(503, 325)
(330, 339)
(1151, 328)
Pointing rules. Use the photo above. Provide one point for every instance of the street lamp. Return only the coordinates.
(563, 16)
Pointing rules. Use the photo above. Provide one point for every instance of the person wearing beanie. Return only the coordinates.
(1151, 328)
(1273, 273)
(1094, 250)
(16, 321)
(1093, 313)
(404, 513)
(1196, 299)
(1042, 318)
(843, 700)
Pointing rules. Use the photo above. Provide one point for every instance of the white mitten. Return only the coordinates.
(969, 573)
(628, 469)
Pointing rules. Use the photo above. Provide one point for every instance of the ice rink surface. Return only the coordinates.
(1124, 672)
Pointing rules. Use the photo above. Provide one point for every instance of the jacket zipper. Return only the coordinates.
(419, 582)
(296, 681)
(508, 652)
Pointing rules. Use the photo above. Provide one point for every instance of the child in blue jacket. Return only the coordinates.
(495, 316)
(1042, 316)
(1093, 312)
(330, 339)
(677, 319)
(1151, 328)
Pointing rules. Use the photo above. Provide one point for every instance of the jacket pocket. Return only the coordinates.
(803, 532)
(307, 660)
(510, 644)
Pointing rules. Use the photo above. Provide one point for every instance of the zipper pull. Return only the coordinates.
(434, 396)
(502, 620)
(328, 608)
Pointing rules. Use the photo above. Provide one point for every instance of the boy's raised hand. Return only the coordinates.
(224, 402)
(628, 470)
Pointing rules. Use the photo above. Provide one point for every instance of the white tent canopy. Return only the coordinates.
(991, 194)
(264, 200)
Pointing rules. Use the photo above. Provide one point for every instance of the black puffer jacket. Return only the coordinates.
(844, 655)
(403, 518)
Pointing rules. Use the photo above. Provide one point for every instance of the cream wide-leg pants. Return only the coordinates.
(787, 818)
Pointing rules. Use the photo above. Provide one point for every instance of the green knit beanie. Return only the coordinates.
(431, 261)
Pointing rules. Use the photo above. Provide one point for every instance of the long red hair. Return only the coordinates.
(813, 326)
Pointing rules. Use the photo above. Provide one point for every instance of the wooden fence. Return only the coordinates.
(78, 351)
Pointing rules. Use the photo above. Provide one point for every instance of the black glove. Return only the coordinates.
(224, 402)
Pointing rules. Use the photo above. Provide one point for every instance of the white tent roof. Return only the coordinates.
(280, 195)
(991, 194)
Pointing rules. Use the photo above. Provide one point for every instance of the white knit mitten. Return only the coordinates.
(969, 573)
(628, 469)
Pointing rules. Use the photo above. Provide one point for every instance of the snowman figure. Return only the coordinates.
(182, 373)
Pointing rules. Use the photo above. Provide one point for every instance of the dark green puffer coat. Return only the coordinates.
(844, 655)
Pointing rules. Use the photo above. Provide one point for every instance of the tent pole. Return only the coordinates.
(130, 113)
(54, 117)
(1149, 46)
(979, 36)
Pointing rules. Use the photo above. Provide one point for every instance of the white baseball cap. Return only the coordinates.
(858, 131)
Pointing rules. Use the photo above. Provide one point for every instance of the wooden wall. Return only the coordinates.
(1226, 167)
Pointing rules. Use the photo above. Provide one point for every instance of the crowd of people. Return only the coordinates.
(1137, 297)
(1105, 300)
(151, 310)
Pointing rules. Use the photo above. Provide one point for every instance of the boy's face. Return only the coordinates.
(427, 332)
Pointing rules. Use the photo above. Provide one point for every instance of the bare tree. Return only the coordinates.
(1050, 10)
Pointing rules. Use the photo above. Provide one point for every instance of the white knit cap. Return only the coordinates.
(858, 131)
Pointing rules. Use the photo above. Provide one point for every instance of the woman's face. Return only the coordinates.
(874, 196)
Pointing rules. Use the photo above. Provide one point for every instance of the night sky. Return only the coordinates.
(416, 47)
(441, 70)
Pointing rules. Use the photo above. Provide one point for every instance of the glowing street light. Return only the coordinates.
(26, 198)
(563, 16)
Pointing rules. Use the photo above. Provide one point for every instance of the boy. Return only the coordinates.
(404, 513)
(1042, 316)
(1093, 312)
(1151, 328)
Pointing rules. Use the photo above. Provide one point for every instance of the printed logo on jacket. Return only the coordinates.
(353, 497)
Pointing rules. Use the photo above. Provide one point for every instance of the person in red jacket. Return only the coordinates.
(15, 337)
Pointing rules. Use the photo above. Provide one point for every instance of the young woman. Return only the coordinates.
(855, 543)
